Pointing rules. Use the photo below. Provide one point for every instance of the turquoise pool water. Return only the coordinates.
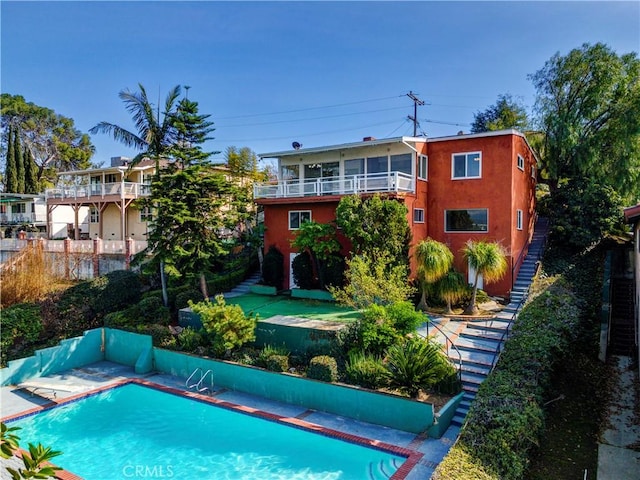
(137, 432)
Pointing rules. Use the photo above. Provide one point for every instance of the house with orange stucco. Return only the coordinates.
(458, 188)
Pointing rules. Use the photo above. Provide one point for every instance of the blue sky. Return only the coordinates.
(319, 73)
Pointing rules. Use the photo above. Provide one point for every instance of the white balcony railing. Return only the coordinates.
(20, 218)
(122, 189)
(371, 183)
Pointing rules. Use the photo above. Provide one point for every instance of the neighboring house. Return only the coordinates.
(109, 194)
(632, 216)
(473, 186)
(26, 212)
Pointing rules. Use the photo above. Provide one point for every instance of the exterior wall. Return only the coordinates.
(502, 189)
(135, 228)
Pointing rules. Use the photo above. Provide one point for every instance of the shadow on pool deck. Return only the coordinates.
(14, 401)
(269, 306)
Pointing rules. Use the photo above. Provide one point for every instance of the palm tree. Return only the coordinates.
(156, 134)
(434, 261)
(488, 260)
(450, 288)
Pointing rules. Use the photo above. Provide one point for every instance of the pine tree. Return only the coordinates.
(17, 154)
(30, 173)
(10, 173)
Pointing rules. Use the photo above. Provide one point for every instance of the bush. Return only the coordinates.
(21, 328)
(404, 317)
(273, 268)
(115, 290)
(323, 368)
(303, 274)
(268, 351)
(417, 364)
(149, 310)
(333, 271)
(366, 371)
(189, 339)
(227, 325)
(277, 363)
(182, 299)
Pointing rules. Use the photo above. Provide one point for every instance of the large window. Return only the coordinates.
(377, 165)
(297, 217)
(401, 163)
(290, 172)
(355, 166)
(146, 214)
(466, 165)
(470, 220)
(19, 208)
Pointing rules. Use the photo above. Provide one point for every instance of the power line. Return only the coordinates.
(416, 102)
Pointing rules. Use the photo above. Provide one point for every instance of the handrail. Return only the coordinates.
(447, 342)
(186, 384)
(198, 385)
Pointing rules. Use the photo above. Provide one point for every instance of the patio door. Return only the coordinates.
(292, 282)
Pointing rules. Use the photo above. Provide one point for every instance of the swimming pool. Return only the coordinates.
(143, 430)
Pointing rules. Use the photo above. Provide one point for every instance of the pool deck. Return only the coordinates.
(15, 401)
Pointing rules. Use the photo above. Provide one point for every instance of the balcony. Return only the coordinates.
(22, 218)
(102, 190)
(353, 184)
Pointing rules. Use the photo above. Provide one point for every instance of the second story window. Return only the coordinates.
(466, 165)
(423, 167)
(298, 217)
(401, 163)
(521, 162)
(418, 215)
(19, 208)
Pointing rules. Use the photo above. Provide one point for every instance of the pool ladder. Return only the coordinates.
(200, 386)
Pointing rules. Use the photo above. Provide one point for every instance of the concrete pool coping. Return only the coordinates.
(424, 453)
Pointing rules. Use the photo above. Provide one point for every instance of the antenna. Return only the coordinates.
(414, 119)
(296, 145)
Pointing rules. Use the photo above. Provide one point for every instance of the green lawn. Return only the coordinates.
(269, 306)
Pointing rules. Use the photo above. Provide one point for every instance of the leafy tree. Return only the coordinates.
(244, 164)
(370, 281)
(434, 261)
(195, 205)
(52, 139)
(504, 114)
(451, 288)
(227, 324)
(155, 135)
(582, 211)
(19, 160)
(320, 242)
(487, 259)
(11, 172)
(376, 226)
(587, 106)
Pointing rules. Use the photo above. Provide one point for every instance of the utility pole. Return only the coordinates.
(414, 119)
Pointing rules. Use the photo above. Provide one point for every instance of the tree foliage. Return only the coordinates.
(587, 107)
(434, 261)
(488, 259)
(320, 242)
(504, 114)
(582, 212)
(51, 139)
(376, 226)
(243, 163)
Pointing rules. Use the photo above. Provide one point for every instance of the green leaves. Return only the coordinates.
(34, 460)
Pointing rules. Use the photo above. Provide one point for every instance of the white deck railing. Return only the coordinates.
(128, 189)
(18, 218)
(371, 183)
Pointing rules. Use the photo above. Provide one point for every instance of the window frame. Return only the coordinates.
(146, 214)
(94, 215)
(466, 175)
(301, 220)
(519, 219)
(423, 167)
(421, 211)
(447, 230)
(520, 162)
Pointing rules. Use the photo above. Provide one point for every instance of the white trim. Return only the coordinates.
(426, 167)
(466, 154)
(415, 210)
(520, 162)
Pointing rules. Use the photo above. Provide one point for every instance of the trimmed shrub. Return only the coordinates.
(303, 274)
(417, 365)
(323, 368)
(189, 339)
(366, 371)
(273, 268)
(267, 352)
(182, 299)
(405, 317)
(277, 363)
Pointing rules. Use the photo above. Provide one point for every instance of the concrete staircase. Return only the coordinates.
(622, 333)
(243, 287)
(480, 342)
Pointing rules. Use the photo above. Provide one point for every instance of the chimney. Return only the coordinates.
(368, 139)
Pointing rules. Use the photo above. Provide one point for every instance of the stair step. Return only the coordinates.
(469, 387)
(477, 344)
(472, 357)
(475, 368)
(477, 331)
(472, 379)
(457, 420)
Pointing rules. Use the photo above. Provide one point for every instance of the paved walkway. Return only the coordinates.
(619, 448)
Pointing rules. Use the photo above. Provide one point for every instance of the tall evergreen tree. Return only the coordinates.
(31, 184)
(10, 173)
(17, 154)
